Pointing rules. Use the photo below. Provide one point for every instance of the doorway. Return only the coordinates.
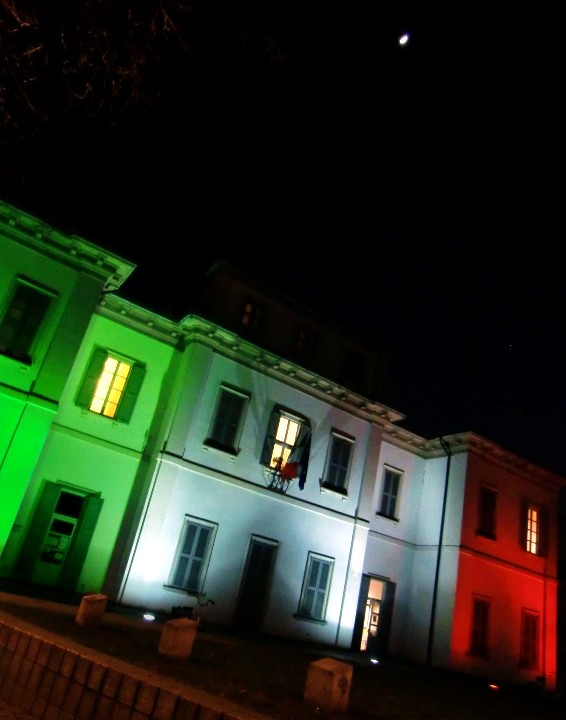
(256, 583)
(374, 614)
(56, 544)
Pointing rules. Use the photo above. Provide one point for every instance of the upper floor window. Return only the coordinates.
(22, 319)
(390, 489)
(528, 656)
(228, 420)
(479, 642)
(306, 342)
(316, 587)
(354, 368)
(487, 507)
(252, 315)
(193, 555)
(533, 528)
(338, 459)
(287, 445)
(111, 385)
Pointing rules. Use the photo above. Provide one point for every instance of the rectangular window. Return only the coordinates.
(533, 529)
(316, 586)
(487, 512)
(529, 639)
(193, 555)
(22, 320)
(338, 460)
(388, 505)
(228, 420)
(306, 342)
(252, 315)
(479, 644)
(111, 385)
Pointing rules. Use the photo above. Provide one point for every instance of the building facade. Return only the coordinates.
(234, 465)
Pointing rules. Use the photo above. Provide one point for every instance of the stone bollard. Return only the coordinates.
(91, 609)
(328, 684)
(177, 638)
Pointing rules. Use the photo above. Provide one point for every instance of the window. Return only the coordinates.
(338, 460)
(22, 320)
(228, 420)
(306, 342)
(486, 512)
(480, 628)
(111, 385)
(287, 445)
(316, 585)
(529, 639)
(252, 315)
(193, 555)
(388, 506)
(533, 529)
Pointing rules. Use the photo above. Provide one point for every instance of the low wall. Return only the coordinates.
(53, 681)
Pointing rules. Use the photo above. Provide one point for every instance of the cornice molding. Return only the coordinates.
(196, 329)
(70, 250)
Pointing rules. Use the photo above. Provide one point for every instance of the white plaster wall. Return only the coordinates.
(241, 510)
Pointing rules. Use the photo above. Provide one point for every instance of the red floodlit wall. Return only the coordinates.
(500, 571)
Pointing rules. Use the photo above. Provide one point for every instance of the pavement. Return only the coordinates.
(44, 676)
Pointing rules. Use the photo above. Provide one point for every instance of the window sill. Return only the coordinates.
(342, 493)
(306, 618)
(387, 517)
(24, 360)
(232, 453)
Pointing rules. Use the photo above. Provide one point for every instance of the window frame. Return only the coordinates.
(35, 329)
(304, 612)
(338, 439)
(529, 649)
(200, 523)
(487, 515)
(252, 315)
(480, 627)
(526, 531)
(129, 393)
(216, 420)
(384, 494)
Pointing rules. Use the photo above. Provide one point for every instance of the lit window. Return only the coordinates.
(316, 586)
(529, 639)
(22, 319)
(487, 512)
(532, 529)
(388, 506)
(111, 385)
(286, 447)
(479, 644)
(228, 420)
(193, 555)
(338, 460)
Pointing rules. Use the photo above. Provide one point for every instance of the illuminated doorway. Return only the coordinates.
(373, 617)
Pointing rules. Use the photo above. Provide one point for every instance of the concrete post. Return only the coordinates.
(328, 684)
(91, 609)
(177, 637)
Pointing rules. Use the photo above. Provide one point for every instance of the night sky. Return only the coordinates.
(415, 192)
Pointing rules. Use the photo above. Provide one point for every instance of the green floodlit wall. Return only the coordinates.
(98, 455)
(23, 429)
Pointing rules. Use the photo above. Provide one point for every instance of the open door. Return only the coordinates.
(373, 618)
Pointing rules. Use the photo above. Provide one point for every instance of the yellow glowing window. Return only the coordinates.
(285, 437)
(110, 387)
(532, 529)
